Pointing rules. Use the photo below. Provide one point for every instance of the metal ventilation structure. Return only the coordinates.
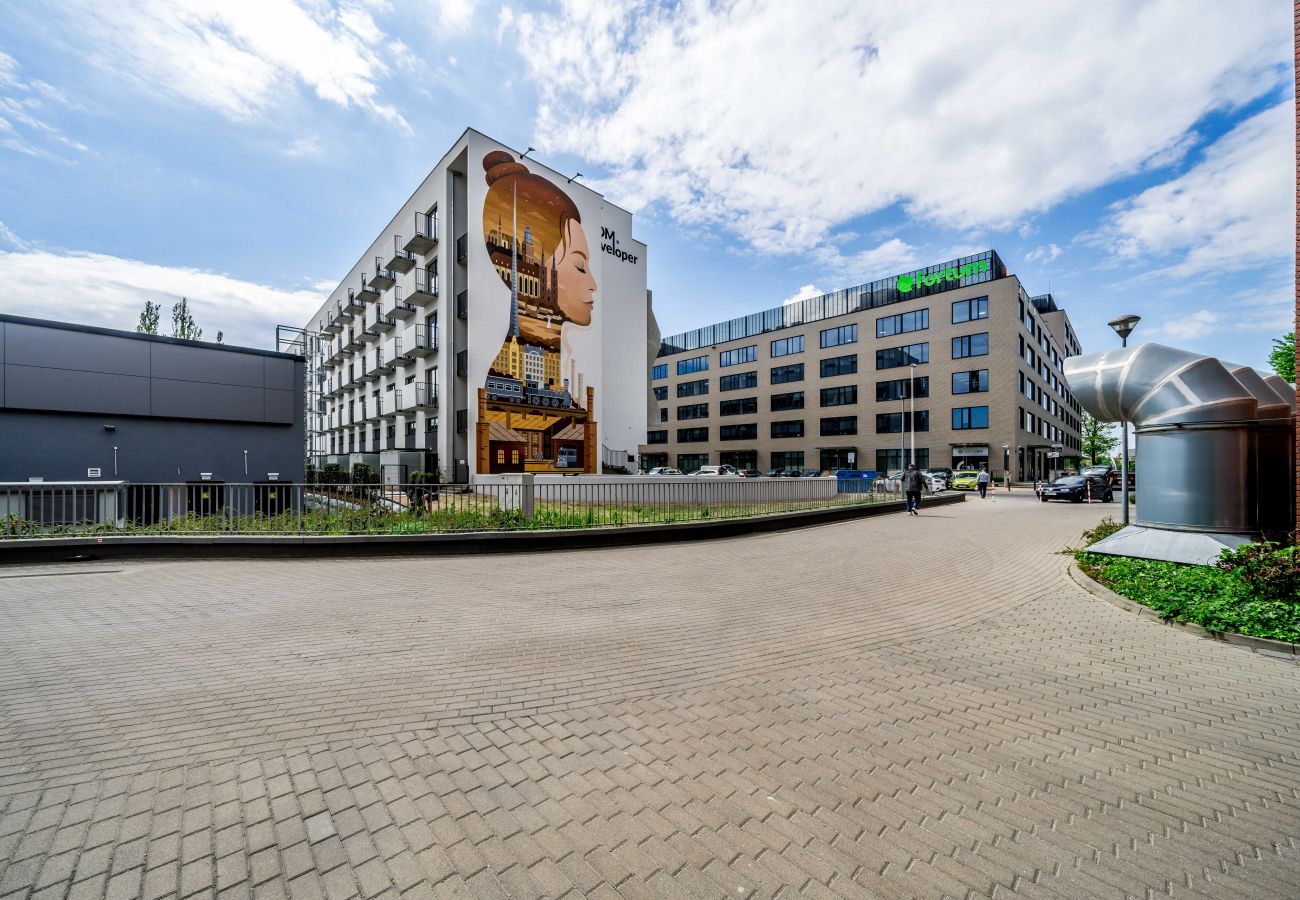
(1216, 442)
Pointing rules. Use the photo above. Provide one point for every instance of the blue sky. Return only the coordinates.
(1133, 158)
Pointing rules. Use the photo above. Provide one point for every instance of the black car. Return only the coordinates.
(1077, 488)
(943, 472)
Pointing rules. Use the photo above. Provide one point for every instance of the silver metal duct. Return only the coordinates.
(1274, 452)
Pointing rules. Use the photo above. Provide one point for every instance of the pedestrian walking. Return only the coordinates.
(913, 484)
(982, 480)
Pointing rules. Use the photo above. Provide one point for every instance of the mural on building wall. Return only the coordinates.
(535, 409)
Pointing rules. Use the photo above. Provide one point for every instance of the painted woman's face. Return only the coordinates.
(574, 282)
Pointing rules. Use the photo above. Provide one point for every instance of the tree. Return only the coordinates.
(149, 318)
(1282, 359)
(221, 337)
(1097, 438)
(183, 323)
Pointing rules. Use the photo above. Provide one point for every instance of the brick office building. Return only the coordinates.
(833, 382)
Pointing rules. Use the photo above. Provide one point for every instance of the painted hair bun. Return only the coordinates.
(500, 164)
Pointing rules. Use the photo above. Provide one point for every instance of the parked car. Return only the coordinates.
(812, 473)
(936, 481)
(717, 471)
(1077, 488)
(965, 480)
(749, 473)
(664, 470)
(943, 472)
(1107, 471)
(773, 473)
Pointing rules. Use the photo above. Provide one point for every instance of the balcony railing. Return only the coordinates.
(384, 276)
(425, 396)
(352, 305)
(401, 309)
(392, 405)
(368, 291)
(426, 287)
(388, 361)
(402, 260)
(334, 319)
(426, 234)
(426, 340)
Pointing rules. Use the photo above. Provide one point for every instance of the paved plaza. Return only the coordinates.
(890, 707)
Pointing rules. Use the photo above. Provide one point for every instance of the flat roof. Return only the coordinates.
(135, 335)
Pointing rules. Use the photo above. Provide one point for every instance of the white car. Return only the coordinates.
(664, 470)
(716, 471)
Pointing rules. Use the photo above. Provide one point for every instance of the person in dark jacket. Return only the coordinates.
(913, 484)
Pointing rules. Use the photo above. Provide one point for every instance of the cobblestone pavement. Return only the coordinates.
(895, 707)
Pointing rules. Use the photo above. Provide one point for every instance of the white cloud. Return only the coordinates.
(1189, 326)
(1046, 253)
(111, 291)
(242, 57)
(807, 292)
(23, 128)
(782, 122)
(8, 236)
(1234, 209)
(866, 265)
(303, 146)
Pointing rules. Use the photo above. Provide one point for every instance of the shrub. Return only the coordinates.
(332, 473)
(1269, 572)
(1105, 528)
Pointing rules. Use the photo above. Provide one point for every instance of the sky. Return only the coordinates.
(1127, 157)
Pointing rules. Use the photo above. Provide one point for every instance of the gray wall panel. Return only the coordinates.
(280, 406)
(2, 365)
(28, 345)
(201, 364)
(279, 373)
(196, 400)
(29, 387)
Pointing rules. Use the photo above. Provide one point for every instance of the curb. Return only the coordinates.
(45, 550)
(1273, 649)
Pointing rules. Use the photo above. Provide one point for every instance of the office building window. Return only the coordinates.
(741, 459)
(786, 374)
(694, 364)
(693, 388)
(659, 371)
(663, 414)
(895, 460)
(894, 423)
(692, 462)
(788, 429)
(917, 320)
(746, 432)
(970, 345)
(839, 365)
(838, 425)
(840, 396)
(787, 460)
(745, 406)
(739, 355)
(845, 458)
(894, 357)
(783, 402)
(692, 435)
(842, 334)
(970, 310)
(653, 460)
(787, 346)
(661, 392)
(970, 417)
(975, 382)
(693, 411)
(656, 437)
(740, 381)
(903, 388)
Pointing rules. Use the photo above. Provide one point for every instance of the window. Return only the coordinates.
(738, 356)
(972, 309)
(786, 374)
(917, 320)
(661, 392)
(745, 406)
(739, 382)
(741, 459)
(838, 459)
(840, 396)
(693, 388)
(663, 414)
(970, 417)
(746, 432)
(659, 371)
(970, 345)
(653, 460)
(839, 365)
(694, 364)
(692, 435)
(792, 400)
(693, 411)
(656, 437)
(838, 425)
(894, 460)
(896, 423)
(894, 357)
(976, 382)
(691, 462)
(787, 429)
(789, 460)
(898, 389)
(787, 346)
(843, 334)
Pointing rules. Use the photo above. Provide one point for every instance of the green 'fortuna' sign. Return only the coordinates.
(909, 283)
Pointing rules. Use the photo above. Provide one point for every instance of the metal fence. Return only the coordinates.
(48, 509)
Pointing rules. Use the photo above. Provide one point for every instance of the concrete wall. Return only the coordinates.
(172, 409)
(624, 489)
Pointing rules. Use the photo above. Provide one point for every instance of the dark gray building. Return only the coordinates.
(79, 403)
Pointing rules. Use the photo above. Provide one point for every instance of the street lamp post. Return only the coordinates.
(911, 392)
(1123, 326)
(1006, 463)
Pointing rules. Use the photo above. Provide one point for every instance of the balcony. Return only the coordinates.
(426, 287)
(351, 306)
(388, 361)
(426, 341)
(384, 277)
(368, 292)
(426, 234)
(424, 397)
(391, 405)
(401, 309)
(384, 321)
(368, 371)
(371, 330)
(353, 342)
(402, 260)
(331, 324)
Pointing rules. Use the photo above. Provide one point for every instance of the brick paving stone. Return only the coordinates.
(788, 715)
